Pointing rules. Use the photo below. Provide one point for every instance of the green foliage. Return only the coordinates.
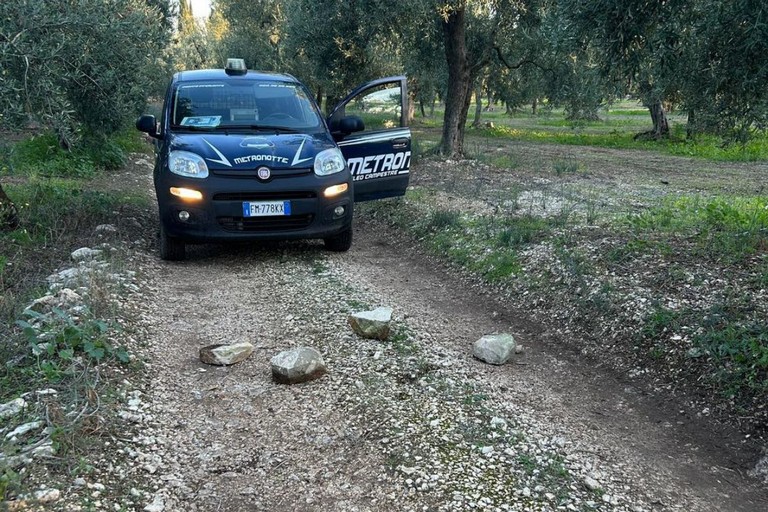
(57, 338)
(78, 68)
(565, 166)
(727, 342)
(710, 147)
(722, 229)
(443, 219)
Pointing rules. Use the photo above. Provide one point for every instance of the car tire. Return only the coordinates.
(341, 242)
(171, 248)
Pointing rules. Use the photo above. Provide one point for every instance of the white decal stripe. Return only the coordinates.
(375, 138)
(223, 159)
(296, 159)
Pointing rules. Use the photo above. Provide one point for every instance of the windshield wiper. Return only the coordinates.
(262, 127)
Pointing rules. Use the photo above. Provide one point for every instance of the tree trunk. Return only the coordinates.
(534, 106)
(690, 126)
(478, 106)
(411, 105)
(459, 84)
(9, 215)
(432, 108)
(319, 97)
(421, 109)
(660, 123)
(659, 118)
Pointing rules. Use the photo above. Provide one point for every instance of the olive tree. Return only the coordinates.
(78, 68)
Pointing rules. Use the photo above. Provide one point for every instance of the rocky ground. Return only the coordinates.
(410, 423)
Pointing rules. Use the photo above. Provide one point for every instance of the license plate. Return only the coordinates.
(266, 208)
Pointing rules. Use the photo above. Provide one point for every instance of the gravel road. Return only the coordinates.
(414, 423)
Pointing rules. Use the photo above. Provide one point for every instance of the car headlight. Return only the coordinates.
(328, 162)
(187, 164)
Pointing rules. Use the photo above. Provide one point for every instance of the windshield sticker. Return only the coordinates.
(200, 86)
(379, 166)
(204, 121)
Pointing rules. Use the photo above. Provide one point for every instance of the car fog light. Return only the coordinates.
(339, 211)
(187, 193)
(336, 190)
(183, 216)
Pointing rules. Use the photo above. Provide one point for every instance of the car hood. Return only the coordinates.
(248, 151)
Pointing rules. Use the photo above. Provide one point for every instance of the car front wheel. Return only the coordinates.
(341, 242)
(171, 248)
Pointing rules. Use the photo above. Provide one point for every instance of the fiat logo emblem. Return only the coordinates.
(263, 173)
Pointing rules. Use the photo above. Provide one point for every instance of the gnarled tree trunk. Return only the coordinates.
(660, 122)
(459, 83)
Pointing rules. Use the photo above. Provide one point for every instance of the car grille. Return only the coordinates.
(261, 196)
(254, 173)
(254, 224)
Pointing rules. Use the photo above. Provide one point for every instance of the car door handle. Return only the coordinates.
(400, 143)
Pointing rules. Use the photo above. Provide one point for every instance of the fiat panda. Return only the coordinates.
(243, 155)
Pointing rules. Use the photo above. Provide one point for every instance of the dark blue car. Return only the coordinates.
(245, 155)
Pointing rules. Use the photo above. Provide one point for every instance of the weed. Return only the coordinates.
(319, 267)
(61, 336)
(518, 231)
(443, 219)
(403, 342)
(660, 321)
(566, 166)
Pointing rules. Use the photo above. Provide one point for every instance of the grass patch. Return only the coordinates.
(722, 229)
(708, 147)
(41, 155)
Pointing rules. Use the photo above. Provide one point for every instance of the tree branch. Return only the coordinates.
(520, 64)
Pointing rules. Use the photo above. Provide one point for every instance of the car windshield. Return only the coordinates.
(243, 104)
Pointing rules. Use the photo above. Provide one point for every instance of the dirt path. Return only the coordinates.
(363, 437)
(231, 439)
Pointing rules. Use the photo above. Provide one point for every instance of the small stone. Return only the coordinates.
(79, 482)
(591, 484)
(494, 348)
(157, 505)
(371, 324)
(487, 450)
(12, 408)
(85, 254)
(225, 355)
(47, 495)
(106, 228)
(297, 365)
(23, 429)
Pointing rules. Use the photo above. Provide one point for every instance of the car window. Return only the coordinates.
(378, 107)
(213, 104)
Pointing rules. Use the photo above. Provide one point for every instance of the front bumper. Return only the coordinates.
(218, 216)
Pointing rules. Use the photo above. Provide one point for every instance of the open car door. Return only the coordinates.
(371, 128)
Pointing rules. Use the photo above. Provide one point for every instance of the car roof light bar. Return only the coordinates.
(236, 67)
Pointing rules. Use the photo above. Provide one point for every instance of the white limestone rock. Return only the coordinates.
(300, 364)
(12, 408)
(494, 348)
(225, 355)
(371, 324)
(85, 254)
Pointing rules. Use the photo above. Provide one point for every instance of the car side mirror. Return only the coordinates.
(347, 125)
(147, 124)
